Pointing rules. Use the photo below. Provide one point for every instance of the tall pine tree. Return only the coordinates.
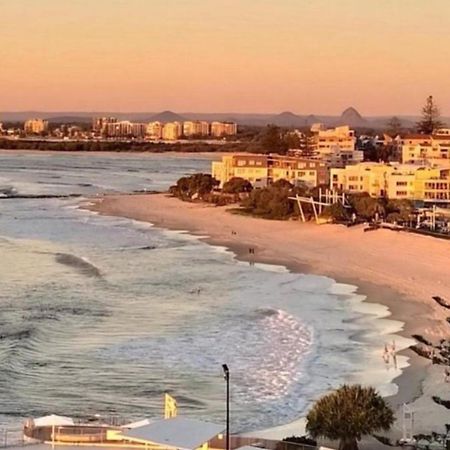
(430, 117)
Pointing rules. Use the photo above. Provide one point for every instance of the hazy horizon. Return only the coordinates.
(243, 56)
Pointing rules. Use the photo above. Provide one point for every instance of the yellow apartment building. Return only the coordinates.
(195, 128)
(35, 126)
(154, 130)
(172, 131)
(394, 181)
(219, 129)
(262, 170)
(327, 139)
(419, 149)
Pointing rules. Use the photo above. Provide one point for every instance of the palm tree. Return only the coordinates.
(348, 414)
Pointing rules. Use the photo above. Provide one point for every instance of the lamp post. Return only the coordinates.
(226, 376)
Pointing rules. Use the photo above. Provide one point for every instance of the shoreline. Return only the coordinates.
(218, 153)
(170, 213)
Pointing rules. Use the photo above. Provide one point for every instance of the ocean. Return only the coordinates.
(102, 315)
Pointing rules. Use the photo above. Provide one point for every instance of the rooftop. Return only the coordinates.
(177, 432)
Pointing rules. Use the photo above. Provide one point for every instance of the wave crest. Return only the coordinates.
(82, 266)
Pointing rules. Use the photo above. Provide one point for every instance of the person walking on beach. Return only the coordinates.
(386, 354)
(394, 354)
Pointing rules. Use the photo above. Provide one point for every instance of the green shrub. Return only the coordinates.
(237, 185)
(195, 186)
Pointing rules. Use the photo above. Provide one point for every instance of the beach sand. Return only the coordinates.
(400, 270)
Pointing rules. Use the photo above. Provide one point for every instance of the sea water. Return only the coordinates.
(102, 315)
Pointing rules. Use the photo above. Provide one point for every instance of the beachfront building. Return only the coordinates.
(423, 148)
(262, 170)
(35, 126)
(394, 181)
(99, 124)
(155, 130)
(172, 131)
(195, 128)
(220, 129)
(124, 129)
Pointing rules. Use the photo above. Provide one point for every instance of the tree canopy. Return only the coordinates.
(237, 185)
(430, 117)
(348, 414)
(273, 202)
(394, 126)
(194, 186)
(273, 141)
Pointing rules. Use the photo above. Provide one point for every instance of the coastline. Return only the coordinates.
(311, 249)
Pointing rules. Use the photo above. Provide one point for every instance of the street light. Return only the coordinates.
(226, 376)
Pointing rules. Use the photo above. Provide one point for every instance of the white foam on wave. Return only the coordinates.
(279, 377)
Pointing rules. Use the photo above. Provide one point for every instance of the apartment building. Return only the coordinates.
(125, 129)
(172, 131)
(326, 139)
(394, 181)
(155, 130)
(262, 170)
(420, 148)
(220, 129)
(99, 123)
(195, 128)
(35, 126)
(337, 145)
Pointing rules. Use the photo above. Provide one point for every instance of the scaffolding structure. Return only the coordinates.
(326, 198)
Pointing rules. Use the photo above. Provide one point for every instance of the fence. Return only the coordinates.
(12, 437)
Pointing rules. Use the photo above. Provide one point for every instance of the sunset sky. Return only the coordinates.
(306, 56)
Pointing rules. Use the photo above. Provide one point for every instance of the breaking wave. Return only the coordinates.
(82, 266)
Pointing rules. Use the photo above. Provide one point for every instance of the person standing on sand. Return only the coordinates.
(386, 354)
(393, 353)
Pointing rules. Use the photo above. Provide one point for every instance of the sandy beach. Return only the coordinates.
(400, 270)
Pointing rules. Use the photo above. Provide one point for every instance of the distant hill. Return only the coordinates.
(311, 119)
(352, 117)
(287, 119)
(70, 119)
(167, 116)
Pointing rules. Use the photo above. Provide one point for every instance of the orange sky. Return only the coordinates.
(306, 56)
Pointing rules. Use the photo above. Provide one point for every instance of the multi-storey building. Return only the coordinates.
(99, 124)
(138, 130)
(334, 145)
(262, 170)
(125, 129)
(195, 128)
(172, 131)
(220, 129)
(327, 139)
(155, 130)
(35, 126)
(423, 148)
(394, 181)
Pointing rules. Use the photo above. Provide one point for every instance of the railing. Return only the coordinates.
(270, 444)
(12, 437)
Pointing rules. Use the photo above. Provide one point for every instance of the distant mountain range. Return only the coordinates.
(350, 116)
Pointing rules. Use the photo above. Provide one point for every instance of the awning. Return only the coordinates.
(177, 432)
(137, 424)
(51, 420)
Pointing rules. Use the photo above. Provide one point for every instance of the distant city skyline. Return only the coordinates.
(243, 56)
